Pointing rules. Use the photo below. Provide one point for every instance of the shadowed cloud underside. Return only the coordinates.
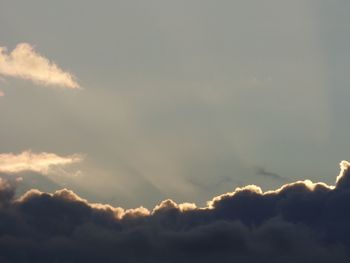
(299, 222)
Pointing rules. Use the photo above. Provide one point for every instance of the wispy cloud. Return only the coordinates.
(24, 62)
(262, 171)
(43, 163)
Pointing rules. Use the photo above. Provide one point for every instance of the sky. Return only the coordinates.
(133, 102)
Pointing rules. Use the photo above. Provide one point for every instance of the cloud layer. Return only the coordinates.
(24, 62)
(36, 162)
(300, 222)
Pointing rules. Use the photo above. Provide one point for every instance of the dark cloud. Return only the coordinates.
(27, 180)
(262, 171)
(300, 222)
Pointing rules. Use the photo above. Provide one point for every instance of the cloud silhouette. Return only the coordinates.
(299, 222)
(262, 171)
(24, 62)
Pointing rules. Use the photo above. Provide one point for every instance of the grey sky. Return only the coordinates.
(176, 92)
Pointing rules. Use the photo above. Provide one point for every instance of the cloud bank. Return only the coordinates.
(300, 222)
(42, 163)
(24, 62)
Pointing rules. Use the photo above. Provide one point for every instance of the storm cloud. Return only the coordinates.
(299, 222)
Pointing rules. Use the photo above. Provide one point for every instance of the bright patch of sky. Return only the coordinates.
(182, 99)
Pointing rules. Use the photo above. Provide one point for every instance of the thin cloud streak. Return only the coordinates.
(25, 63)
(43, 163)
(262, 171)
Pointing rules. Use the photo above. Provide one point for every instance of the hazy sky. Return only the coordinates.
(179, 99)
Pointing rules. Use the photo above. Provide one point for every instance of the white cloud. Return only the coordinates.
(344, 169)
(43, 163)
(24, 62)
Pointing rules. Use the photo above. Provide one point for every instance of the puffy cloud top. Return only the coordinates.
(299, 222)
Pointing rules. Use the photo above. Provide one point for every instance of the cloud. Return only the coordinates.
(262, 171)
(43, 163)
(24, 62)
(299, 222)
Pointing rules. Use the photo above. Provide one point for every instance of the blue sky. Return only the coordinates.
(181, 99)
